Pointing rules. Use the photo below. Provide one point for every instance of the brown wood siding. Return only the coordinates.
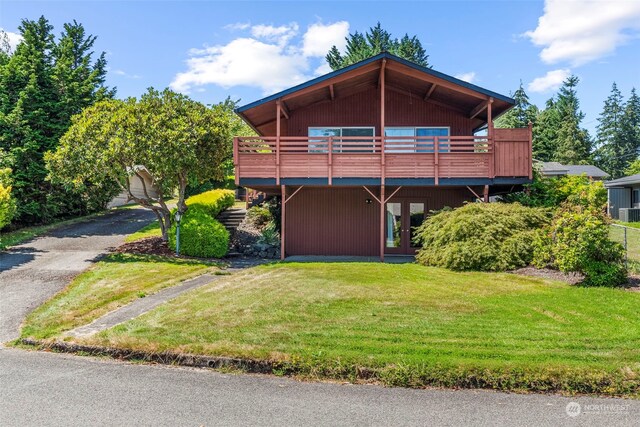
(363, 109)
(338, 221)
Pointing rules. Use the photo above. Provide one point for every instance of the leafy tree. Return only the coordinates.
(176, 139)
(522, 113)
(612, 148)
(573, 142)
(42, 84)
(376, 40)
(634, 168)
(7, 203)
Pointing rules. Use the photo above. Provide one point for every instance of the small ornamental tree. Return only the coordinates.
(175, 138)
(7, 204)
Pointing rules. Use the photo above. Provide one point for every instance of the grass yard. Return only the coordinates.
(402, 325)
(150, 230)
(111, 283)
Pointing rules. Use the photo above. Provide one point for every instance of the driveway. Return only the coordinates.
(34, 271)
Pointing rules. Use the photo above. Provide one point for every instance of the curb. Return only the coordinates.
(165, 358)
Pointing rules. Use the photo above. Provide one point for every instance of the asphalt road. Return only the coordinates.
(47, 389)
(32, 272)
(54, 389)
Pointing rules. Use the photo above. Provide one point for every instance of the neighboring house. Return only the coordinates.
(624, 198)
(137, 188)
(361, 154)
(551, 169)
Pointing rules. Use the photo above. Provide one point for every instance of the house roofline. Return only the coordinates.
(383, 55)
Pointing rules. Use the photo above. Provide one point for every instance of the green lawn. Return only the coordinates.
(111, 283)
(403, 325)
(150, 230)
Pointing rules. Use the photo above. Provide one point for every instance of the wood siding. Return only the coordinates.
(363, 109)
(338, 221)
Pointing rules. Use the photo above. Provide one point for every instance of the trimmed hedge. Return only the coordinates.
(201, 235)
(211, 202)
(481, 236)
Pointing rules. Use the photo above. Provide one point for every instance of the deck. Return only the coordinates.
(504, 154)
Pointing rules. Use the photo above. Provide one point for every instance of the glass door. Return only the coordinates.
(403, 217)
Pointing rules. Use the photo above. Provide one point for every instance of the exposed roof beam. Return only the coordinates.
(433, 79)
(430, 91)
(284, 109)
(332, 92)
(340, 78)
(265, 123)
(438, 103)
(478, 109)
(384, 62)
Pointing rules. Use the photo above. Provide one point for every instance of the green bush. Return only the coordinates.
(200, 236)
(577, 240)
(480, 236)
(552, 192)
(211, 202)
(259, 216)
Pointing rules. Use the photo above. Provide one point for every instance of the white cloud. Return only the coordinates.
(320, 38)
(580, 31)
(12, 38)
(237, 26)
(280, 35)
(550, 81)
(271, 58)
(127, 75)
(467, 77)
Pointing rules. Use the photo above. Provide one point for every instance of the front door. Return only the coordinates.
(402, 219)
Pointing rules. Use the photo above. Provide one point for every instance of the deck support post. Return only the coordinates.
(382, 218)
(283, 204)
(382, 122)
(278, 114)
(486, 194)
(492, 145)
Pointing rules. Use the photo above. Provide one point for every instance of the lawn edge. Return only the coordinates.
(362, 375)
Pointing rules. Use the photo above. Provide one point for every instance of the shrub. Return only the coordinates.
(200, 236)
(578, 240)
(7, 203)
(259, 217)
(211, 202)
(480, 236)
(552, 192)
(270, 235)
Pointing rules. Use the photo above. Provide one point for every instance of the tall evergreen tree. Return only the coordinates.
(42, 84)
(610, 154)
(573, 141)
(522, 112)
(545, 132)
(630, 128)
(376, 40)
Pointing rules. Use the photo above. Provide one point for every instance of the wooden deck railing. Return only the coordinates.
(506, 154)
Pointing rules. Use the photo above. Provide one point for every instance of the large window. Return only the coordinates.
(635, 198)
(423, 144)
(342, 143)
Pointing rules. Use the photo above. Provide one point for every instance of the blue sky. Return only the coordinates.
(211, 49)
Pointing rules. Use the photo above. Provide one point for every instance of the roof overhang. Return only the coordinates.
(400, 75)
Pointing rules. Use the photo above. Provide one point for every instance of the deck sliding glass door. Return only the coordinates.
(402, 219)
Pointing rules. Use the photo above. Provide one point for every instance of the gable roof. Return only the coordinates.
(453, 90)
(558, 169)
(626, 180)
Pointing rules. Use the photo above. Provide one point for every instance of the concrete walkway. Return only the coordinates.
(34, 271)
(143, 305)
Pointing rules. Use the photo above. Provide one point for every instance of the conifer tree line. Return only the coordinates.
(44, 82)
(558, 134)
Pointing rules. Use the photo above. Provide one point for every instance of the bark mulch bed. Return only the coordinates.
(148, 246)
(570, 278)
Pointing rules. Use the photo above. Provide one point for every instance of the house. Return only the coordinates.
(553, 169)
(138, 184)
(623, 201)
(360, 155)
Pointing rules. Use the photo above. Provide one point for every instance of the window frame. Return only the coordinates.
(325, 149)
(406, 149)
